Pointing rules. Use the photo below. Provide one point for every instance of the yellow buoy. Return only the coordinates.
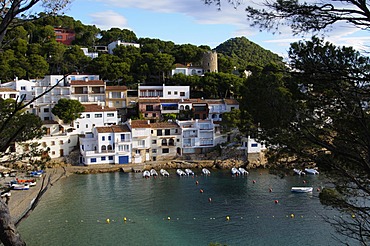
(353, 216)
(108, 221)
(168, 218)
(227, 218)
(292, 216)
(124, 219)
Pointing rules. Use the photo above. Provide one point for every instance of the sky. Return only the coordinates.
(193, 22)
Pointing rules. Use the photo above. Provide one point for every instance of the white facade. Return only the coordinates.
(106, 145)
(114, 44)
(164, 92)
(6, 93)
(252, 146)
(92, 55)
(196, 134)
(187, 70)
(93, 116)
(24, 87)
(165, 140)
(141, 140)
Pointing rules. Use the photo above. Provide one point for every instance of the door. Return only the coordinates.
(123, 159)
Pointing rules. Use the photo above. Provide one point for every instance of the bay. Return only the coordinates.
(258, 209)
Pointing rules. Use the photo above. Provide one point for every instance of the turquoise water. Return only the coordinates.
(173, 211)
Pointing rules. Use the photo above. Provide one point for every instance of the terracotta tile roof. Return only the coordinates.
(164, 125)
(97, 108)
(6, 89)
(115, 128)
(89, 82)
(179, 65)
(231, 101)
(140, 124)
(214, 101)
(116, 88)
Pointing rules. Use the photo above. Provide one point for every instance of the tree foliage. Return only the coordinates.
(319, 113)
(68, 110)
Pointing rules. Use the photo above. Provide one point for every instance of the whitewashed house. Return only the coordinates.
(165, 140)
(106, 145)
(6, 93)
(187, 70)
(24, 87)
(95, 115)
(197, 136)
(141, 140)
(57, 141)
(114, 44)
(164, 92)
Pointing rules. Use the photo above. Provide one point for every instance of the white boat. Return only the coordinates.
(311, 171)
(299, 172)
(243, 171)
(20, 186)
(189, 172)
(302, 189)
(153, 172)
(164, 173)
(235, 171)
(180, 172)
(146, 174)
(205, 171)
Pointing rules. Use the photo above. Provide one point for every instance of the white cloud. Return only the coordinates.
(108, 19)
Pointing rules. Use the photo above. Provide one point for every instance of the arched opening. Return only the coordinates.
(110, 147)
(164, 142)
(103, 148)
(171, 142)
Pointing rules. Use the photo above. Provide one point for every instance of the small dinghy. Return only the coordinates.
(298, 172)
(153, 172)
(205, 171)
(146, 174)
(189, 172)
(311, 171)
(20, 186)
(301, 189)
(180, 172)
(164, 173)
(235, 171)
(243, 171)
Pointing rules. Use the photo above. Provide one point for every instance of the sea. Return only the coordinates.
(127, 209)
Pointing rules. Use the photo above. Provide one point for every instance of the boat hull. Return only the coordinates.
(302, 189)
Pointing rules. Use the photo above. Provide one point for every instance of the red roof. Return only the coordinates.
(87, 82)
(97, 108)
(140, 124)
(115, 128)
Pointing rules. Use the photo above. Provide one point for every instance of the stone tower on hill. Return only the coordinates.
(210, 62)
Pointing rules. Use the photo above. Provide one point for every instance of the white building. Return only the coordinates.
(95, 115)
(114, 44)
(187, 70)
(106, 145)
(164, 92)
(6, 93)
(57, 141)
(141, 140)
(24, 87)
(92, 55)
(197, 136)
(165, 140)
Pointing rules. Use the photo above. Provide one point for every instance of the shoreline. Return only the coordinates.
(20, 201)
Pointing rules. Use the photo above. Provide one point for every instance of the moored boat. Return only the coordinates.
(205, 171)
(243, 171)
(298, 189)
(153, 172)
(146, 174)
(20, 186)
(189, 172)
(298, 172)
(311, 171)
(164, 173)
(235, 171)
(180, 172)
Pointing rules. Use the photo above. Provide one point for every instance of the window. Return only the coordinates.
(87, 125)
(87, 115)
(122, 137)
(98, 115)
(103, 158)
(23, 88)
(164, 142)
(232, 108)
(103, 138)
(93, 160)
(149, 107)
(159, 132)
(46, 110)
(182, 94)
(52, 152)
(78, 126)
(165, 151)
(154, 151)
(123, 148)
(154, 115)
(141, 143)
(43, 144)
(52, 143)
(61, 142)
(110, 114)
(46, 118)
(154, 141)
(167, 132)
(169, 92)
(110, 158)
(175, 93)
(109, 138)
(146, 115)
(253, 145)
